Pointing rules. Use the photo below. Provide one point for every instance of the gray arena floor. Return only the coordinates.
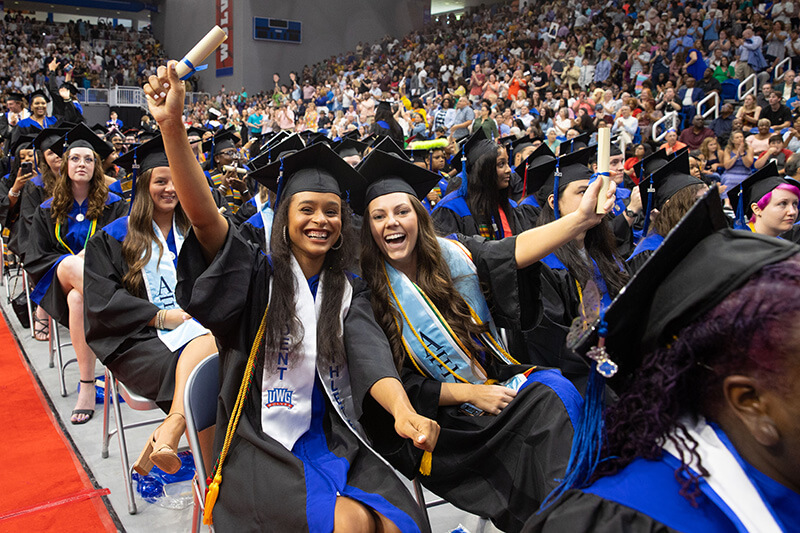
(107, 473)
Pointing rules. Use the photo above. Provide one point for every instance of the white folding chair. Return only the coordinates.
(200, 407)
(135, 402)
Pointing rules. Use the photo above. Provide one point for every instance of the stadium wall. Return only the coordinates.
(328, 27)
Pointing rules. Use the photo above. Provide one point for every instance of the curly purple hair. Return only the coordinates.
(750, 332)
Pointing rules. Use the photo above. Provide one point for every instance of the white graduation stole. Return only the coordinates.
(267, 214)
(160, 279)
(287, 383)
(726, 478)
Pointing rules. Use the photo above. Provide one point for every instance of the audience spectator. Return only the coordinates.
(779, 115)
(694, 135)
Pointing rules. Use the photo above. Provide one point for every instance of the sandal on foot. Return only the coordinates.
(143, 464)
(41, 328)
(89, 412)
(165, 456)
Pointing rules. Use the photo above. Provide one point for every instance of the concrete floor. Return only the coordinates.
(107, 473)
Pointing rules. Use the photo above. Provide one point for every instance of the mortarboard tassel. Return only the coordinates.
(426, 463)
(134, 171)
(556, 180)
(462, 190)
(280, 186)
(650, 192)
(740, 222)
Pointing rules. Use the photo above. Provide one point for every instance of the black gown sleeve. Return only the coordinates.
(245, 211)
(41, 250)
(112, 313)
(623, 234)
(579, 512)
(31, 198)
(446, 222)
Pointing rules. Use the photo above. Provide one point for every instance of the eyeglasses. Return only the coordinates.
(227, 153)
(76, 159)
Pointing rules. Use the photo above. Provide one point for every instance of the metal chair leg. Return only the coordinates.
(56, 336)
(106, 436)
(31, 321)
(123, 448)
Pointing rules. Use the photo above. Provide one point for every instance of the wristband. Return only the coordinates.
(246, 191)
(13, 194)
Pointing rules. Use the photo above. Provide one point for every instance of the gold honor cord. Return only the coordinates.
(213, 487)
(92, 229)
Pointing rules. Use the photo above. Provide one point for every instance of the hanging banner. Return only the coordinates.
(225, 51)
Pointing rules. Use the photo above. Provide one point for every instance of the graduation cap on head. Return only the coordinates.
(316, 168)
(70, 87)
(292, 143)
(755, 187)
(194, 131)
(47, 138)
(664, 183)
(99, 129)
(384, 105)
(352, 134)
(465, 147)
(388, 173)
(671, 290)
(82, 137)
(146, 136)
(650, 164)
(275, 139)
(349, 147)
(519, 145)
(386, 144)
(22, 142)
(533, 181)
(555, 174)
(221, 141)
(507, 142)
(38, 92)
(578, 142)
(372, 139)
(15, 97)
(141, 158)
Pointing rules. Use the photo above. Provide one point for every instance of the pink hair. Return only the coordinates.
(764, 201)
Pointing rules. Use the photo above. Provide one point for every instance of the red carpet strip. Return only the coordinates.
(44, 485)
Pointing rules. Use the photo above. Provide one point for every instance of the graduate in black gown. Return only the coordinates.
(230, 182)
(481, 206)
(133, 323)
(674, 192)
(293, 337)
(21, 171)
(766, 203)
(61, 226)
(506, 427)
(569, 273)
(39, 118)
(701, 348)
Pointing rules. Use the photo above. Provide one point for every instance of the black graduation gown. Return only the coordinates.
(264, 487)
(33, 194)
(42, 251)
(452, 215)
(500, 467)
(116, 321)
(8, 215)
(245, 211)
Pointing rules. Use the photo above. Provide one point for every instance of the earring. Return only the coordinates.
(339, 242)
(286, 235)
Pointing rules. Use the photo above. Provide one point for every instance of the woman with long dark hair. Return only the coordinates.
(505, 425)
(303, 363)
(60, 229)
(385, 124)
(481, 205)
(702, 351)
(566, 275)
(133, 323)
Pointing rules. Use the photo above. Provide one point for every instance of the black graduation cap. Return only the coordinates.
(466, 146)
(148, 155)
(507, 142)
(519, 145)
(387, 173)
(38, 92)
(48, 137)
(385, 105)
(533, 180)
(667, 180)
(316, 168)
(675, 287)
(146, 136)
(755, 187)
(314, 137)
(349, 147)
(15, 97)
(372, 139)
(24, 142)
(82, 136)
(70, 87)
(571, 167)
(578, 142)
(650, 164)
(99, 129)
(388, 145)
(194, 130)
(219, 142)
(352, 134)
(292, 143)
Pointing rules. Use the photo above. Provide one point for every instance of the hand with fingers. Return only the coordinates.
(491, 398)
(422, 431)
(165, 94)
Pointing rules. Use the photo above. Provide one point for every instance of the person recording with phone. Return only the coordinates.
(65, 105)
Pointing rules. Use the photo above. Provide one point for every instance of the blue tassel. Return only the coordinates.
(134, 170)
(462, 190)
(280, 186)
(740, 222)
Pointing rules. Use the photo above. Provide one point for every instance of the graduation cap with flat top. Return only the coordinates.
(579, 142)
(316, 168)
(673, 176)
(349, 147)
(386, 144)
(466, 146)
(15, 97)
(38, 92)
(147, 155)
(700, 262)
(292, 143)
(552, 175)
(48, 137)
(22, 142)
(219, 142)
(82, 137)
(388, 173)
(650, 164)
(755, 187)
(539, 157)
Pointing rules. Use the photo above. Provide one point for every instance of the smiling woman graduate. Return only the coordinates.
(301, 354)
(133, 323)
(506, 426)
(60, 229)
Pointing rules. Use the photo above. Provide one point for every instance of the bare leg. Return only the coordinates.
(351, 516)
(42, 329)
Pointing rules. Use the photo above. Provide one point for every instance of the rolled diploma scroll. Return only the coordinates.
(201, 50)
(228, 168)
(603, 156)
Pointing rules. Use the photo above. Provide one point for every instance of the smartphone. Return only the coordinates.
(27, 167)
(68, 68)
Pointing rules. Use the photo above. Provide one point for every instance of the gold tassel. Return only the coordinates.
(211, 499)
(425, 464)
